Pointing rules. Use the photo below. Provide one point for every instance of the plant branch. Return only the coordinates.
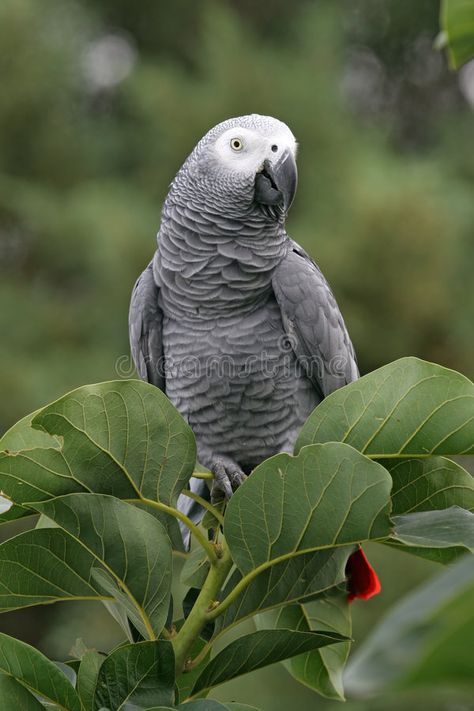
(195, 530)
(247, 579)
(203, 475)
(199, 657)
(205, 504)
(199, 615)
(235, 592)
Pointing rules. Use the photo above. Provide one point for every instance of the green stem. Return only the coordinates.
(202, 654)
(247, 579)
(200, 535)
(234, 594)
(203, 475)
(205, 504)
(199, 615)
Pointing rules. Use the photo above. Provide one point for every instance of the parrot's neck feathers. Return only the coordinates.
(210, 260)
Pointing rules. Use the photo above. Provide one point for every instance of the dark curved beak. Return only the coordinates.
(275, 184)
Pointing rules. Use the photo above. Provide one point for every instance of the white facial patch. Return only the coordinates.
(244, 150)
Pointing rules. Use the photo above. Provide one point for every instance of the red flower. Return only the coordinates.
(362, 578)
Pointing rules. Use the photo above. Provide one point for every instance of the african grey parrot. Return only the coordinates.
(231, 318)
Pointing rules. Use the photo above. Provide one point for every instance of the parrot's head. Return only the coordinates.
(243, 166)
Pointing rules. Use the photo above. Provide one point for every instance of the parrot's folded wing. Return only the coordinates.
(145, 330)
(313, 322)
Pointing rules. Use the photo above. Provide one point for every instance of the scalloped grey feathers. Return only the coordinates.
(232, 319)
(145, 329)
(313, 322)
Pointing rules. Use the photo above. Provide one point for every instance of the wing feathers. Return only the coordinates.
(145, 329)
(313, 322)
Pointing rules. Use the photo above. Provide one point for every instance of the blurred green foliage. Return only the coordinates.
(457, 31)
(102, 100)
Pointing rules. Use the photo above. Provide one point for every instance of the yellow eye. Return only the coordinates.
(236, 144)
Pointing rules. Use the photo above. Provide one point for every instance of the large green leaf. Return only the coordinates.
(130, 544)
(329, 495)
(141, 674)
(186, 680)
(330, 613)
(131, 423)
(257, 650)
(69, 670)
(12, 513)
(408, 408)
(15, 697)
(426, 484)
(436, 529)
(91, 662)
(426, 639)
(38, 475)
(294, 579)
(122, 438)
(319, 669)
(443, 556)
(43, 566)
(431, 483)
(34, 671)
(207, 705)
(5, 504)
(457, 22)
(194, 571)
(23, 436)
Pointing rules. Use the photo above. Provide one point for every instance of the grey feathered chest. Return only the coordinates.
(229, 368)
(232, 319)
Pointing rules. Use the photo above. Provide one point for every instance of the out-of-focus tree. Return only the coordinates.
(457, 31)
(101, 101)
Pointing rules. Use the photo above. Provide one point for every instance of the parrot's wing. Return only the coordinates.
(145, 329)
(313, 322)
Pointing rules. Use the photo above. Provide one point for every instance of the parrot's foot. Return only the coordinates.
(228, 476)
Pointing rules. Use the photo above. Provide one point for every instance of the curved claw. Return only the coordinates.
(227, 478)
